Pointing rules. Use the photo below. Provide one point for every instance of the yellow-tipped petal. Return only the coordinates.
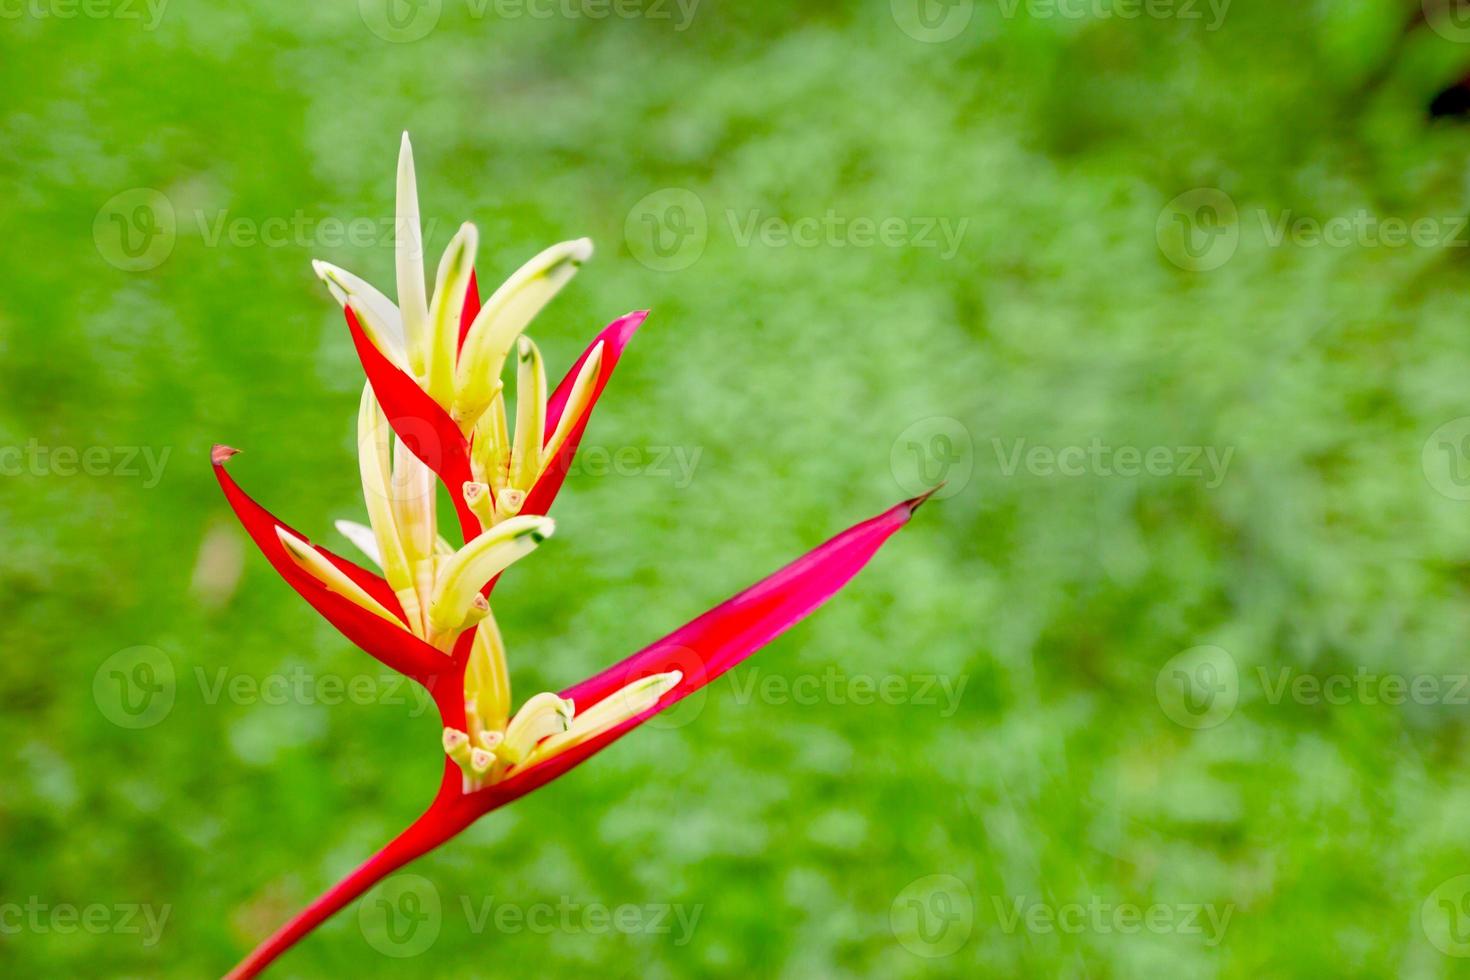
(316, 565)
(444, 313)
(462, 575)
(525, 452)
(543, 715)
(487, 679)
(373, 448)
(576, 404)
(611, 711)
(413, 302)
(376, 334)
(504, 317)
(378, 315)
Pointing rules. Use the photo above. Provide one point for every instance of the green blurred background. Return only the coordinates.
(1089, 785)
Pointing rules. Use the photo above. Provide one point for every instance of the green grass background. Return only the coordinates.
(793, 371)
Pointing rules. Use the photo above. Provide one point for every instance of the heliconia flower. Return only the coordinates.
(434, 406)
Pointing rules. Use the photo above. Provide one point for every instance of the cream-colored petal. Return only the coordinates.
(329, 575)
(544, 714)
(525, 452)
(611, 711)
(450, 286)
(379, 309)
(462, 575)
(413, 301)
(576, 405)
(503, 318)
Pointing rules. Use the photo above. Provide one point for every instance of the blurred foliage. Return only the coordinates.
(792, 371)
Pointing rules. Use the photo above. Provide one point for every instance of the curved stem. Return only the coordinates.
(444, 818)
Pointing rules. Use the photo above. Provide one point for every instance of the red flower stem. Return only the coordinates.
(444, 818)
(450, 813)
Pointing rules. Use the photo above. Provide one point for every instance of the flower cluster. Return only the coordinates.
(458, 360)
(436, 410)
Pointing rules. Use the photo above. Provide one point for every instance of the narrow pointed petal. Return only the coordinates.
(319, 567)
(384, 316)
(413, 302)
(613, 339)
(576, 406)
(525, 453)
(395, 647)
(708, 646)
(450, 286)
(424, 427)
(504, 318)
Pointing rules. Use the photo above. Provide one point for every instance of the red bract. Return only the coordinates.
(703, 649)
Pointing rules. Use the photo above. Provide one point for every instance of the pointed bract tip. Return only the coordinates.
(220, 453)
(626, 325)
(916, 502)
